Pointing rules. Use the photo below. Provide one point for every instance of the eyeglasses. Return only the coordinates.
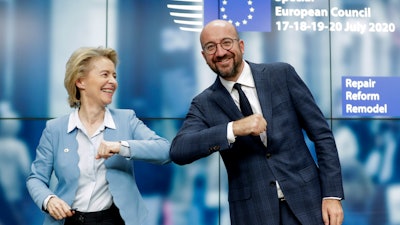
(226, 43)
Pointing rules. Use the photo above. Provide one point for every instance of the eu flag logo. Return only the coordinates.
(246, 15)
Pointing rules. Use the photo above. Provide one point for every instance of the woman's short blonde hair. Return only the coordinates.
(78, 66)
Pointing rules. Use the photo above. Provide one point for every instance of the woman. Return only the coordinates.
(87, 150)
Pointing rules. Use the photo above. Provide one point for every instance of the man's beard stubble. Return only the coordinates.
(230, 74)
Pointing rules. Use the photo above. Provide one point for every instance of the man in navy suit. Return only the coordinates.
(273, 179)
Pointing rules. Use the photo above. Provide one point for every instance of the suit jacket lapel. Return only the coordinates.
(262, 81)
(223, 98)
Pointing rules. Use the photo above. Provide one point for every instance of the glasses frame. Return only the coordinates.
(220, 43)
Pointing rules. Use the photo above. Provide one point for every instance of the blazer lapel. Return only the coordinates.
(223, 98)
(262, 82)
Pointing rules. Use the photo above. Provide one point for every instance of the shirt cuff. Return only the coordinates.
(335, 198)
(46, 200)
(125, 150)
(229, 133)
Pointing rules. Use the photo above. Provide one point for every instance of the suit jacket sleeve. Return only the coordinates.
(197, 138)
(319, 132)
(144, 143)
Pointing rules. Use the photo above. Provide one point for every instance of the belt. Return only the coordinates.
(83, 217)
(282, 199)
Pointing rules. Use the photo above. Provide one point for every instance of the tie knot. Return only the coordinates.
(237, 86)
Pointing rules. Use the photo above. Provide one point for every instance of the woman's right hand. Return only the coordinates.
(59, 209)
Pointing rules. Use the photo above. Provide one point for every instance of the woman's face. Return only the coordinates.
(99, 85)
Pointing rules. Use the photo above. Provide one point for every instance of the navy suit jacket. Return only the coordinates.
(57, 152)
(289, 108)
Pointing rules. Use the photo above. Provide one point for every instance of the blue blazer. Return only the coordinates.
(57, 152)
(289, 108)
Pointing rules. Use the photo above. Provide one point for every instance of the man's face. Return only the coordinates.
(226, 63)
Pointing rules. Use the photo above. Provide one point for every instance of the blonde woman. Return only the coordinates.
(91, 150)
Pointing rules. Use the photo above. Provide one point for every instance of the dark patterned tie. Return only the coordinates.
(243, 101)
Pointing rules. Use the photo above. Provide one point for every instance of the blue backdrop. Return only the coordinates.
(161, 69)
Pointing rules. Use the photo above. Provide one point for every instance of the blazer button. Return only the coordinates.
(268, 155)
(272, 183)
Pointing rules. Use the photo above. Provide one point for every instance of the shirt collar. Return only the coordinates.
(245, 79)
(75, 122)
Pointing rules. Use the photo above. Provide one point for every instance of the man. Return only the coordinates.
(273, 178)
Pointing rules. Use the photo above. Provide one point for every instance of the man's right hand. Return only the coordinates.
(251, 125)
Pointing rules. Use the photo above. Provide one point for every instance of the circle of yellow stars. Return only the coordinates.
(237, 23)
